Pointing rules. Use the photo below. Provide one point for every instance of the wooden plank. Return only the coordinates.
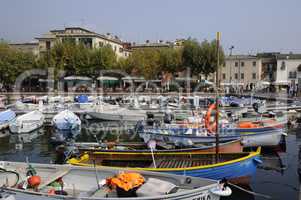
(53, 177)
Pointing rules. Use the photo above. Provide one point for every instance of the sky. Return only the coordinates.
(251, 26)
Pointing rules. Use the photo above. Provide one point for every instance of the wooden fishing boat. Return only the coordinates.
(23, 181)
(237, 167)
(234, 146)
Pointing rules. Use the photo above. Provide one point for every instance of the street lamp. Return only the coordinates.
(231, 49)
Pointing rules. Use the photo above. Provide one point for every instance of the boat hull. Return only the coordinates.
(227, 147)
(271, 138)
(116, 116)
(249, 139)
(242, 167)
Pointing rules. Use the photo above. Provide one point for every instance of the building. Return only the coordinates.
(241, 70)
(31, 47)
(80, 35)
(160, 44)
(288, 70)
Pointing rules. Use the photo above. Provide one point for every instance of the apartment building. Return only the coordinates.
(81, 35)
(241, 70)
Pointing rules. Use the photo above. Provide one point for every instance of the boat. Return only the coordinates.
(185, 136)
(28, 181)
(108, 112)
(140, 147)
(235, 167)
(27, 123)
(6, 117)
(66, 121)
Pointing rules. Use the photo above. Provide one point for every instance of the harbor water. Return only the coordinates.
(277, 177)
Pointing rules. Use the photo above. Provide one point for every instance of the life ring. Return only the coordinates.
(211, 126)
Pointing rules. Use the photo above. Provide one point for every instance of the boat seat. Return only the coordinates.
(155, 187)
(53, 177)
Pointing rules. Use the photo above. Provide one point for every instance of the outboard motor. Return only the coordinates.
(150, 119)
(139, 127)
(168, 117)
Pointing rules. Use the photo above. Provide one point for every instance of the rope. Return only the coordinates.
(250, 192)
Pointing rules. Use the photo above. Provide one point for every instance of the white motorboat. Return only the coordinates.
(27, 123)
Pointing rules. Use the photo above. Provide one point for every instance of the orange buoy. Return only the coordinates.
(34, 181)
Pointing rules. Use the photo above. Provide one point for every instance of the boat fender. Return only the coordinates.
(34, 181)
(257, 160)
(221, 191)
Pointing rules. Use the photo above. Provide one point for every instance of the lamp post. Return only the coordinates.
(231, 49)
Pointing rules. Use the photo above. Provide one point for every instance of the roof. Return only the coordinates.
(288, 56)
(241, 57)
(150, 45)
(24, 44)
(62, 33)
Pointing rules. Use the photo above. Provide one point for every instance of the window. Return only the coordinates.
(292, 74)
(242, 76)
(236, 64)
(282, 65)
(224, 65)
(100, 44)
(224, 76)
(254, 64)
(120, 50)
(236, 75)
(254, 76)
(48, 45)
(242, 64)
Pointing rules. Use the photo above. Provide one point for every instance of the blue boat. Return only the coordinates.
(6, 117)
(236, 167)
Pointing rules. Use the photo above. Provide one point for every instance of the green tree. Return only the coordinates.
(12, 63)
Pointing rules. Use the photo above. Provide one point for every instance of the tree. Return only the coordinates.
(208, 55)
(170, 60)
(201, 58)
(12, 63)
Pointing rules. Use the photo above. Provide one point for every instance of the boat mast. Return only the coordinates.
(218, 35)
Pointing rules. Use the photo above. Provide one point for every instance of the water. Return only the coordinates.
(278, 177)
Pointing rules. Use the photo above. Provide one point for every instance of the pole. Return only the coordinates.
(218, 35)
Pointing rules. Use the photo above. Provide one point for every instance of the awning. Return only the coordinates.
(133, 78)
(185, 79)
(107, 78)
(281, 82)
(77, 78)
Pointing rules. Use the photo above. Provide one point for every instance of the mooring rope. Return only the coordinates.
(250, 192)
